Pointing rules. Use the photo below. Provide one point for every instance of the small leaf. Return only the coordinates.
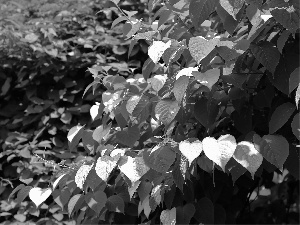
(158, 81)
(157, 49)
(232, 6)
(88, 141)
(96, 201)
(115, 204)
(180, 87)
(117, 21)
(267, 54)
(133, 168)
(166, 110)
(186, 72)
(96, 111)
(205, 211)
(205, 163)
(129, 137)
(200, 47)
(275, 149)
(168, 217)
(39, 195)
(73, 201)
(296, 126)
(82, 174)
(208, 78)
(199, 10)
(19, 187)
(148, 66)
(100, 132)
(144, 189)
(294, 80)
(184, 214)
(280, 116)
(56, 182)
(104, 166)
(133, 188)
(132, 102)
(190, 150)
(219, 151)
(247, 155)
(282, 40)
(74, 136)
(23, 193)
(229, 23)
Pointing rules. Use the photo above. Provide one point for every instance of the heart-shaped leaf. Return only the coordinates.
(133, 168)
(129, 136)
(219, 151)
(247, 155)
(39, 195)
(104, 166)
(82, 174)
(168, 217)
(157, 49)
(200, 47)
(208, 78)
(166, 110)
(190, 150)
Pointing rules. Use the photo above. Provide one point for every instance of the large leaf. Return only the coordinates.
(180, 87)
(208, 78)
(104, 166)
(287, 13)
(219, 151)
(247, 155)
(74, 136)
(39, 195)
(129, 136)
(206, 111)
(232, 6)
(280, 116)
(157, 49)
(159, 158)
(275, 149)
(133, 168)
(296, 126)
(82, 174)
(166, 110)
(190, 150)
(267, 54)
(200, 47)
(200, 10)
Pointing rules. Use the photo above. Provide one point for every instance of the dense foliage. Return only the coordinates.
(179, 111)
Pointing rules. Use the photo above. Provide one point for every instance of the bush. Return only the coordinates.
(205, 132)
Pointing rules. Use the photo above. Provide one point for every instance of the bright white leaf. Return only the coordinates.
(104, 166)
(208, 78)
(133, 168)
(73, 131)
(190, 150)
(157, 49)
(57, 181)
(94, 111)
(117, 151)
(219, 151)
(168, 217)
(39, 195)
(158, 81)
(186, 71)
(146, 207)
(247, 155)
(81, 175)
(297, 96)
(132, 102)
(133, 188)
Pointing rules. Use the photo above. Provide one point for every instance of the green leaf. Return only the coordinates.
(280, 116)
(130, 29)
(88, 141)
(208, 78)
(286, 13)
(23, 193)
(205, 163)
(159, 158)
(267, 54)
(253, 14)
(62, 198)
(200, 47)
(166, 110)
(19, 187)
(229, 50)
(236, 170)
(100, 132)
(96, 201)
(157, 49)
(294, 80)
(174, 52)
(158, 81)
(117, 21)
(219, 151)
(129, 136)
(275, 149)
(204, 211)
(148, 68)
(180, 87)
(115, 204)
(199, 10)
(296, 126)
(229, 23)
(133, 168)
(132, 102)
(184, 214)
(168, 217)
(74, 136)
(282, 40)
(144, 189)
(206, 111)
(73, 201)
(232, 6)
(191, 150)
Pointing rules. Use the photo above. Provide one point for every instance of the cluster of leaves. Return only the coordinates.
(206, 133)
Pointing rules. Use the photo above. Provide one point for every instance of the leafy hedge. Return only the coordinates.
(200, 126)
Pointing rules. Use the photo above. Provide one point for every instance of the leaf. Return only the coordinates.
(23, 193)
(219, 151)
(191, 150)
(130, 28)
(275, 149)
(232, 6)
(148, 66)
(247, 155)
(166, 110)
(159, 158)
(157, 49)
(132, 102)
(267, 54)
(155, 197)
(100, 132)
(129, 137)
(205, 163)
(133, 168)
(96, 111)
(229, 23)
(208, 78)
(61, 198)
(168, 217)
(82, 174)
(174, 52)
(73, 201)
(204, 211)
(144, 189)
(206, 112)
(96, 201)
(19, 187)
(280, 116)
(294, 80)
(184, 214)
(115, 204)
(186, 72)
(104, 166)
(296, 126)
(254, 14)
(180, 87)
(286, 13)
(132, 189)
(88, 141)
(178, 173)
(74, 136)
(158, 81)
(229, 50)
(200, 47)
(236, 170)
(117, 21)
(200, 10)
(282, 40)
(57, 181)
(39, 195)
